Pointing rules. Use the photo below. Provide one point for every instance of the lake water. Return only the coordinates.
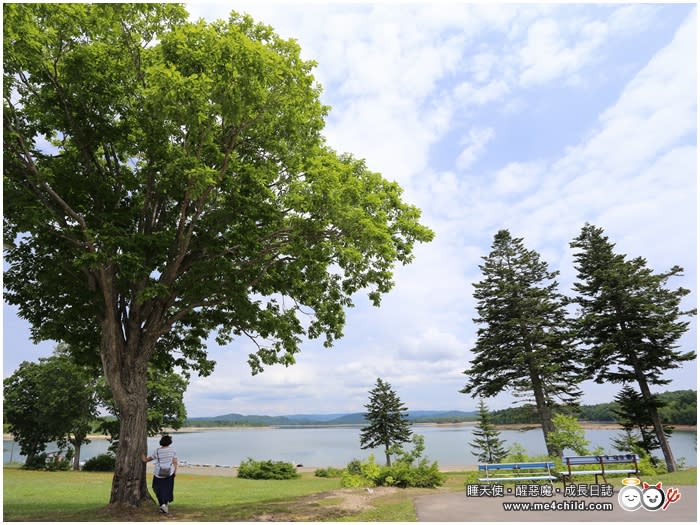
(336, 446)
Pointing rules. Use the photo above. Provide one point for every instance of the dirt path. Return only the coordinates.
(456, 506)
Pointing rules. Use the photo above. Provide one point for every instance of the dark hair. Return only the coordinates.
(166, 441)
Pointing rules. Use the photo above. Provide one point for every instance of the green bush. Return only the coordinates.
(516, 454)
(353, 481)
(251, 469)
(329, 472)
(649, 466)
(101, 463)
(409, 470)
(371, 471)
(354, 467)
(35, 462)
(53, 463)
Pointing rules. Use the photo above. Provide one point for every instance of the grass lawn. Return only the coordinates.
(83, 496)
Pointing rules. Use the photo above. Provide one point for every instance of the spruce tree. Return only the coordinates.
(487, 445)
(632, 414)
(524, 344)
(388, 421)
(629, 321)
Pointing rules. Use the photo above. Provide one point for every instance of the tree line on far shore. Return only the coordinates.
(680, 408)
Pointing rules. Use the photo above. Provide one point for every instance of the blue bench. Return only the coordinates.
(536, 471)
(600, 462)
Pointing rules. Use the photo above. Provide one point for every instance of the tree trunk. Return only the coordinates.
(125, 367)
(388, 457)
(544, 412)
(76, 458)
(656, 420)
(129, 482)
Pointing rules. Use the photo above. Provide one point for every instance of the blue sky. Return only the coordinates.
(535, 118)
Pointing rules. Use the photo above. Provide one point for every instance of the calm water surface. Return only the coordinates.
(336, 446)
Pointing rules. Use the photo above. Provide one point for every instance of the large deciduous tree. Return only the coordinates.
(629, 321)
(164, 179)
(52, 400)
(387, 418)
(524, 344)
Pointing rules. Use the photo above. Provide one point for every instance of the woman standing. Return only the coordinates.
(164, 472)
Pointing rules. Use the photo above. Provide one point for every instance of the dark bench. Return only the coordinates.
(537, 471)
(600, 464)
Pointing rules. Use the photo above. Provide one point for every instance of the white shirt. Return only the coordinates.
(164, 457)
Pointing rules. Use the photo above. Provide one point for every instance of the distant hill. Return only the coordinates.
(416, 416)
(680, 409)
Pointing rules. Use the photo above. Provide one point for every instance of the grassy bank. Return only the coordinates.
(82, 496)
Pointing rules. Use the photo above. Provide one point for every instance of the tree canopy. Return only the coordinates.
(52, 400)
(165, 180)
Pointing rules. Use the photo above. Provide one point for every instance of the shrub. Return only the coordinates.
(329, 472)
(425, 475)
(353, 481)
(251, 469)
(371, 471)
(45, 462)
(35, 462)
(516, 454)
(101, 463)
(354, 467)
(403, 473)
(650, 466)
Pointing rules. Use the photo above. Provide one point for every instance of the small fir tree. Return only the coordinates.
(632, 414)
(487, 445)
(388, 421)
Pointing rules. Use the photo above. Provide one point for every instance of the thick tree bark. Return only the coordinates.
(129, 484)
(125, 366)
(388, 457)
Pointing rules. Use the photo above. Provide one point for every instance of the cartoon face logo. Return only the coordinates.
(653, 497)
(630, 497)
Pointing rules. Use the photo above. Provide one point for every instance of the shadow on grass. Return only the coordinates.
(300, 509)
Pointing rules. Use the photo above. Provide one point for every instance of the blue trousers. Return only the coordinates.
(164, 487)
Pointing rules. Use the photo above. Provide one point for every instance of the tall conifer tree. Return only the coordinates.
(524, 344)
(629, 321)
(388, 421)
(487, 445)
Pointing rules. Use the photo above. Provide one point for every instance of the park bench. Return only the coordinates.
(601, 463)
(536, 471)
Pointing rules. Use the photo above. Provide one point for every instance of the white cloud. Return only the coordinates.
(476, 141)
(517, 177)
(548, 54)
(467, 94)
